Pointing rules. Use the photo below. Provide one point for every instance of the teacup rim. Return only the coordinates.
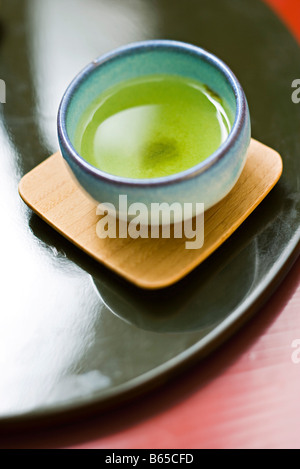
(194, 171)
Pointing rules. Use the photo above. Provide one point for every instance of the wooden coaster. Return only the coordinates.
(51, 192)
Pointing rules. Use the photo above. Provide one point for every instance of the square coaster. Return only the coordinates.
(51, 192)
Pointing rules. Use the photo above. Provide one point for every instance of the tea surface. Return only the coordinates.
(152, 126)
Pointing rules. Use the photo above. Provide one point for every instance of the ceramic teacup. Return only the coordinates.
(208, 181)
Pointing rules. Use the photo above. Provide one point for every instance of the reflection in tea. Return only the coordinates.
(152, 126)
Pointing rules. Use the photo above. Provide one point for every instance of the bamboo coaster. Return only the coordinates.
(51, 192)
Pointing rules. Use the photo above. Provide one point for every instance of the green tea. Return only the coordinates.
(152, 126)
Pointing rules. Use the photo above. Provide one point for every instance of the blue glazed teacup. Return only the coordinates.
(207, 182)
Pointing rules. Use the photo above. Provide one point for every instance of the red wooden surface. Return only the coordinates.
(289, 11)
(245, 395)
